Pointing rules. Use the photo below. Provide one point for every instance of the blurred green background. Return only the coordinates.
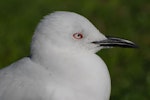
(129, 19)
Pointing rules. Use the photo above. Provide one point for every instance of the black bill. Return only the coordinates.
(115, 42)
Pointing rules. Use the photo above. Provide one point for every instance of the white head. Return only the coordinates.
(68, 31)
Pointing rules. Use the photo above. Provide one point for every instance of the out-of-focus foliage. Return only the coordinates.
(130, 19)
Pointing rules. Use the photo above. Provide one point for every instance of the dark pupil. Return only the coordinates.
(79, 35)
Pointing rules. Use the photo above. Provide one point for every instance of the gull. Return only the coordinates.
(63, 64)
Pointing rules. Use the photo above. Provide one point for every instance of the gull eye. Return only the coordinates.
(77, 35)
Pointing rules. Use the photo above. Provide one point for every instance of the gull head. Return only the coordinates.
(68, 31)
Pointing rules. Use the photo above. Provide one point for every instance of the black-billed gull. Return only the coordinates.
(63, 64)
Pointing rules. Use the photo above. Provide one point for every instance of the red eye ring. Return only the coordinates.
(77, 35)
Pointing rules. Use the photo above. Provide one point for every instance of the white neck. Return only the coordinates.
(85, 72)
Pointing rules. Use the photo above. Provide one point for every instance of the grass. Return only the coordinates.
(129, 68)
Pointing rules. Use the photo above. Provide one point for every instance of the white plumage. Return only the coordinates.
(63, 64)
